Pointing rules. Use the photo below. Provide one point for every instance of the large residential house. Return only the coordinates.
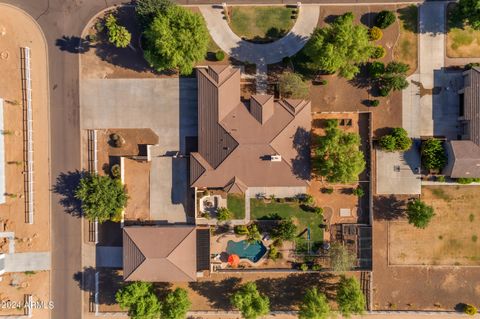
(464, 154)
(261, 144)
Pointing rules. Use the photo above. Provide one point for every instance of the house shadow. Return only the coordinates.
(301, 167)
(66, 185)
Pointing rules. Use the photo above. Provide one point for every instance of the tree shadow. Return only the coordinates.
(301, 163)
(409, 17)
(287, 292)
(331, 18)
(363, 79)
(86, 279)
(381, 131)
(66, 186)
(73, 44)
(368, 19)
(388, 207)
(218, 293)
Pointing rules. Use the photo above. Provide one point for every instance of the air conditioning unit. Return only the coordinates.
(275, 158)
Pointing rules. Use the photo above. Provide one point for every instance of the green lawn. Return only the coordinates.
(236, 204)
(261, 24)
(259, 210)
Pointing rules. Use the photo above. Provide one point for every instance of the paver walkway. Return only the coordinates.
(261, 54)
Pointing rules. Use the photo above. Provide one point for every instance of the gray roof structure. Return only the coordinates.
(464, 159)
(238, 142)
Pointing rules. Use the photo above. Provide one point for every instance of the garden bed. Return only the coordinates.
(261, 24)
(462, 40)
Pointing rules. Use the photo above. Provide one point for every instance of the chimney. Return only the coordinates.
(261, 107)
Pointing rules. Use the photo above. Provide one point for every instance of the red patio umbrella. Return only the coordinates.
(233, 260)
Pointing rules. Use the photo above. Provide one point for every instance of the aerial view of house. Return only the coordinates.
(247, 159)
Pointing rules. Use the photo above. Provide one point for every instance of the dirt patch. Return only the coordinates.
(442, 242)
(414, 287)
(406, 47)
(137, 181)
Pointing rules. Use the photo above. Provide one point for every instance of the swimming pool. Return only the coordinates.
(252, 251)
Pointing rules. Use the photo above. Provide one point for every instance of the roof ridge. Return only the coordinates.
(179, 242)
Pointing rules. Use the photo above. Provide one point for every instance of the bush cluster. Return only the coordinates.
(384, 19)
(398, 140)
(378, 52)
(219, 55)
(117, 34)
(375, 33)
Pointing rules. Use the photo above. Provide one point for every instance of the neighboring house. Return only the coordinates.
(262, 143)
(168, 253)
(464, 154)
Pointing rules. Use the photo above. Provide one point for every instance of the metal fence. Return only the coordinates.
(92, 157)
(28, 133)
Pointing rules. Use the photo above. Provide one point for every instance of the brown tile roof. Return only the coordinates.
(463, 159)
(237, 140)
(159, 253)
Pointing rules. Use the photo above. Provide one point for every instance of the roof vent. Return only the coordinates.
(275, 158)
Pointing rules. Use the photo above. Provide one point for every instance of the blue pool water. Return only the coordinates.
(244, 249)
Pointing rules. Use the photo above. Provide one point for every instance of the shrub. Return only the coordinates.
(374, 103)
(316, 267)
(358, 191)
(433, 154)
(384, 19)
(378, 52)
(117, 34)
(384, 91)
(116, 171)
(277, 242)
(292, 85)
(471, 65)
(318, 210)
(376, 69)
(303, 267)
(327, 190)
(117, 140)
(323, 82)
(219, 55)
(350, 298)
(470, 310)
(440, 178)
(467, 180)
(240, 230)
(253, 234)
(284, 230)
(341, 259)
(223, 214)
(306, 199)
(273, 253)
(375, 33)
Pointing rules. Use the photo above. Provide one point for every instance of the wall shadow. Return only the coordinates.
(218, 293)
(388, 207)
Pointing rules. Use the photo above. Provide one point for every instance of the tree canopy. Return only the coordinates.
(314, 305)
(250, 302)
(140, 300)
(285, 230)
(419, 214)
(468, 12)
(147, 10)
(102, 197)
(117, 35)
(350, 297)
(176, 39)
(398, 140)
(340, 46)
(341, 259)
(337, 155)
(292, 86)
(433, 154)
(384, 19)
(175, 305)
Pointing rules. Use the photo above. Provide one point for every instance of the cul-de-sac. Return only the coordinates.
(171, 159)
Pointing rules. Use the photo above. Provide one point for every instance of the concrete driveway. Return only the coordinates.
(169, 107)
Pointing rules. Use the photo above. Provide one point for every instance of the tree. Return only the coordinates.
(350, 298)
(341, 259)
(433, 154)
(176, 39)
(419, 214)
(384, 19)
(337, 155)
(102, 197)
(117, 34)
(394, 77)
(292, 86)
(358, 191)
(223, 214)
(175, 305)
(468, 12)
(147, 10)
(341, 46)
(285, 230)
(140, 300)
(250, 302)
(398, 140)
(470, 310)
(253, 234)
(314, 305)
